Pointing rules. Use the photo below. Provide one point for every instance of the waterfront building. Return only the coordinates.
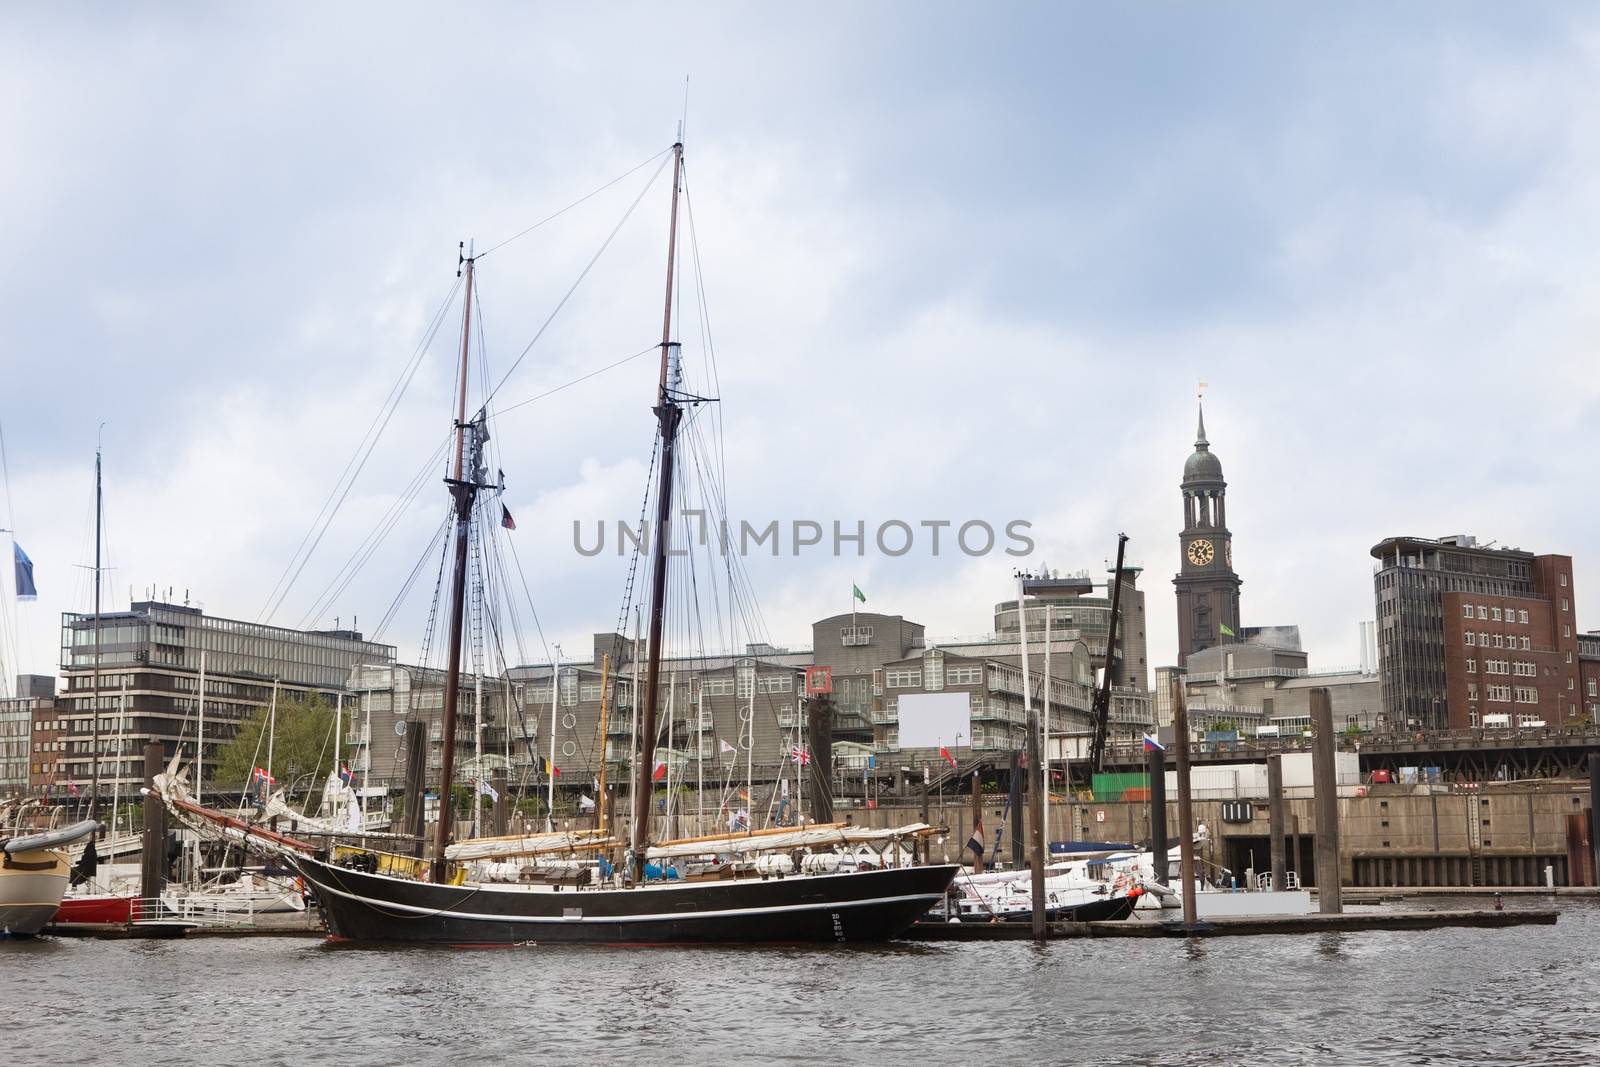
(1255, 685)
(1472, 635)
(1589, 675)
(27, 745)
(1207, 585)
(874, 660)
(147, 684)
(23, 749)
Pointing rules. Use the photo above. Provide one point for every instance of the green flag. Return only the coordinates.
(855, 591)
(1228, 632)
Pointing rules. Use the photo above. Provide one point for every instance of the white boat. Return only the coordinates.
(34, 874)
(245, 897)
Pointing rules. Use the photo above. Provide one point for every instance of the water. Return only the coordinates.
(1521, 995)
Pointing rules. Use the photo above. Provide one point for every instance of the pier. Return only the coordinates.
(1240, 927)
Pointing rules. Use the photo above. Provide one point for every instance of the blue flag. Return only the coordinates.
(25, 586)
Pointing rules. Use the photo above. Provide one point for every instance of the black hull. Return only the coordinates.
(856, 906)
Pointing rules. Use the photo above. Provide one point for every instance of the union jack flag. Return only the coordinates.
(799, 755)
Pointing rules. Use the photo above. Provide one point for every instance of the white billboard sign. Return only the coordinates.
(928, 720)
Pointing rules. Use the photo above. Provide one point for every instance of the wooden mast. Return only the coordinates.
(667, 414)
(464, 488)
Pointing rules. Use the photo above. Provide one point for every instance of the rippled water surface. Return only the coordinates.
(1522, 995)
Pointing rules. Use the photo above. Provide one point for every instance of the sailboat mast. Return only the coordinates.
(464, 490)
(667, 415)
(94, 746)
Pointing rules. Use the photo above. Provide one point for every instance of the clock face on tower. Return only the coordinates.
(1201, 552)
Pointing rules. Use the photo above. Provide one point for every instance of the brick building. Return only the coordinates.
(1589, 676)
(1466, 632)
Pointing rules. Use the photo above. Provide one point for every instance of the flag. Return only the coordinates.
(872, 761)
(1152, 745)
(25, 587)
(505, 518)
(72, 787)
(744, 794)
(945, 752)
(857, 594)
(660, 772)
(975, 842)
(485, 789)
(1227, 631)
(550, 769)
(344, 773)
(799, 755)
(586, 803)
(723, 746)
(262, 776)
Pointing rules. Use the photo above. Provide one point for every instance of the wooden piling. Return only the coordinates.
(977, 821)
(153, 845)
(502, 803)
(1018, 821)
(1325, 783)
(1157, 763)
(1280, 880)
(1180, 742)
(1594, 817)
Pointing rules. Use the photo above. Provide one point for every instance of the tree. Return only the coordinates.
(302, 745)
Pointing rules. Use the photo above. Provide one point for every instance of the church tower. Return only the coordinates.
(1208, 589)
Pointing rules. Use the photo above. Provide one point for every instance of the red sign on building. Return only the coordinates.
(819, 680)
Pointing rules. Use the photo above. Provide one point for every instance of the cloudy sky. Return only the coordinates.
(959, 261)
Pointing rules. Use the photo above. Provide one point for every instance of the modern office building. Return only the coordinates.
(1471, 635)
(1207, 586)
(139, 673)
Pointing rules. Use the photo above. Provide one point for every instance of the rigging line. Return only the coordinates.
(405, 588)
(381, 421)
(390, 402)
(5, 472)
(714, 374)
(575, 203)
(626, 215)
(369, 544)
(580, 380)
(539, 627)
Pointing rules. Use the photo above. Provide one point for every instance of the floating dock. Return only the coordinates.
(1237, 927)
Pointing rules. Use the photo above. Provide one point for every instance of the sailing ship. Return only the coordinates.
(35, 870)
(367, 896)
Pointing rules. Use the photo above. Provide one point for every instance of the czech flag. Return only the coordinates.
(975, 842)
(660, 772)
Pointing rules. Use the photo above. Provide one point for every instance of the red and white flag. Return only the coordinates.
(945, 752)
(799, 755)
(660, 772)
